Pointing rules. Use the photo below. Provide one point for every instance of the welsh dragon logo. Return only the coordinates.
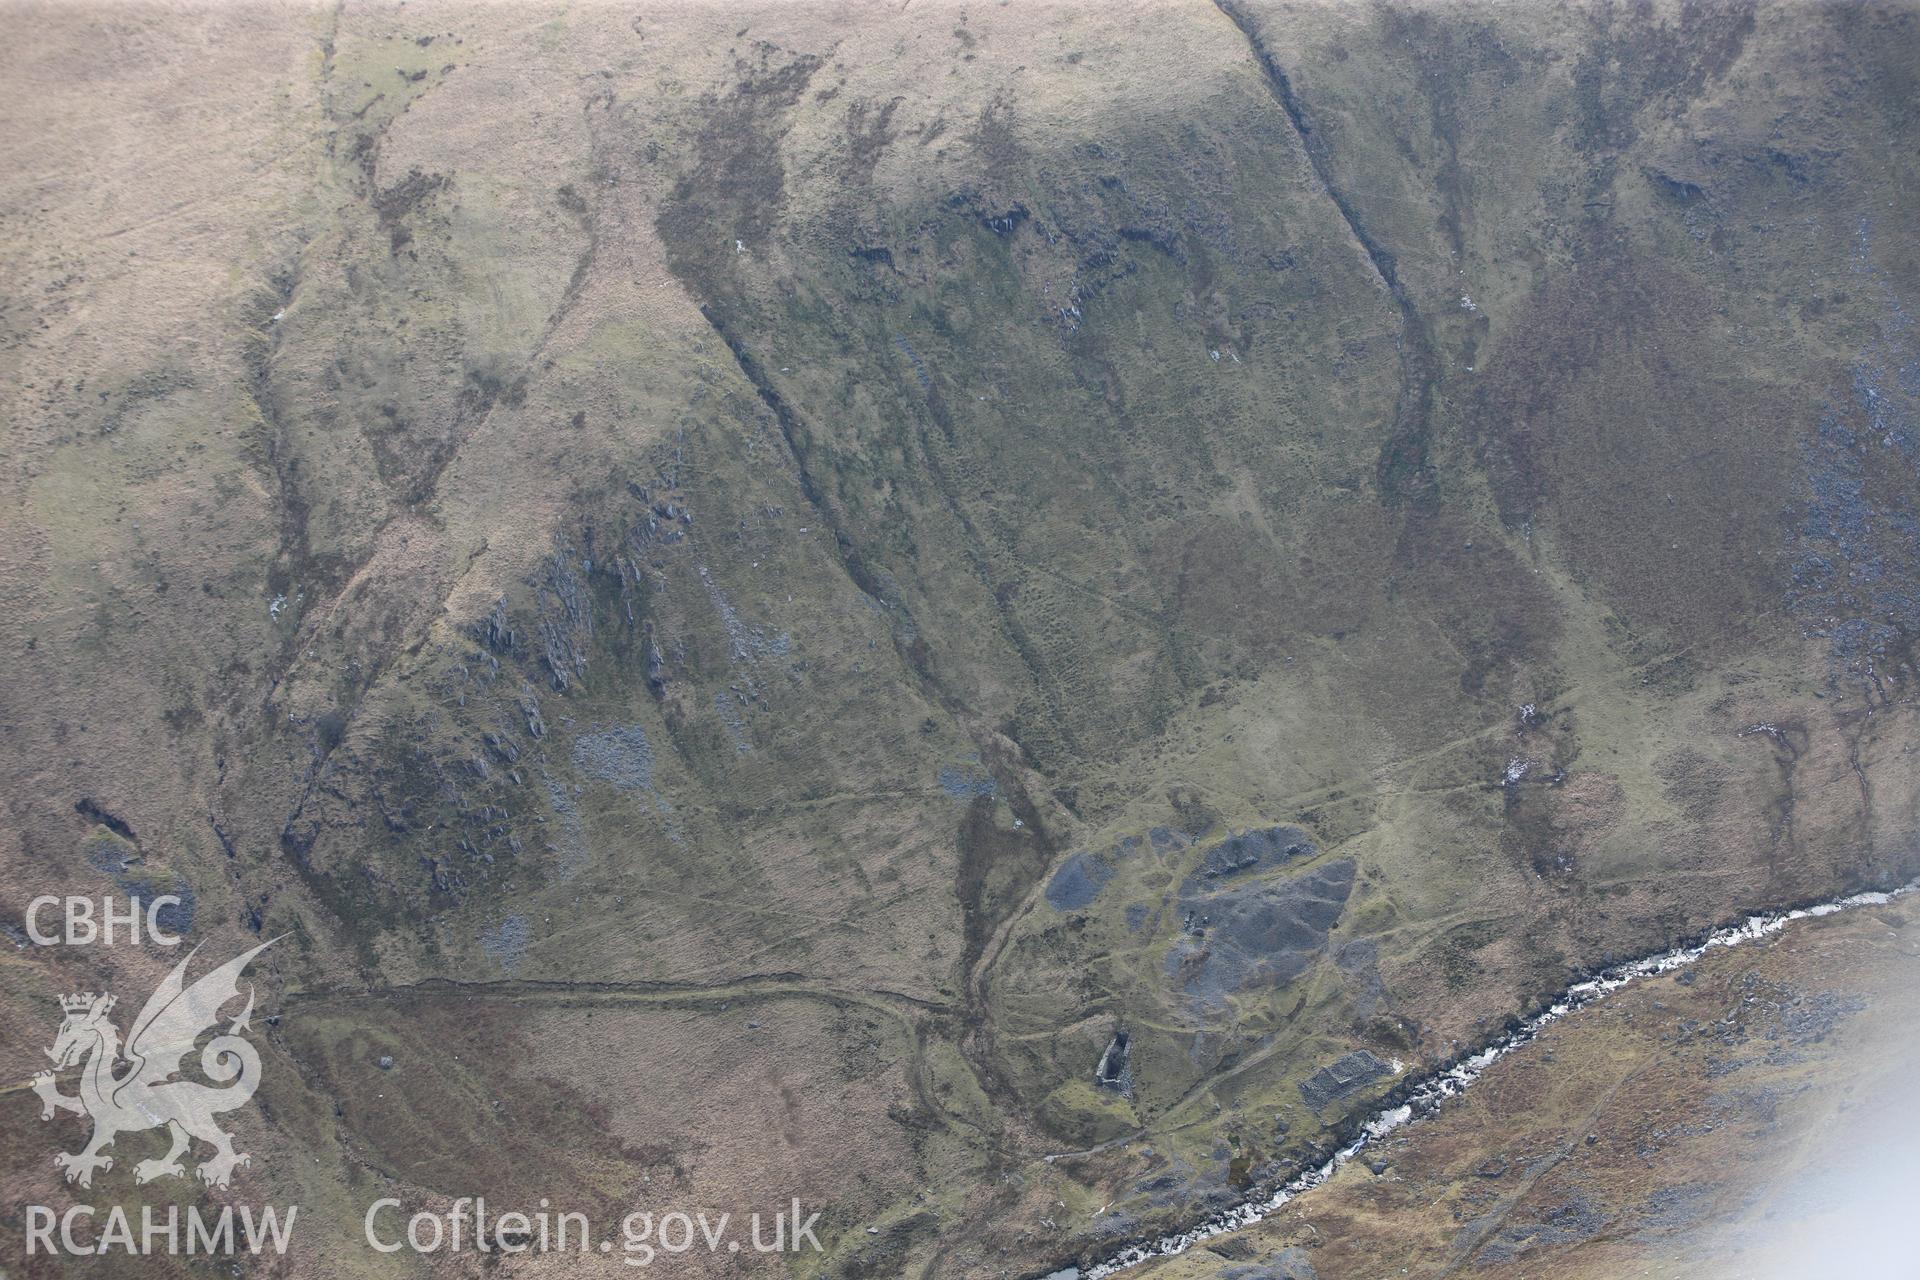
(145, 1095)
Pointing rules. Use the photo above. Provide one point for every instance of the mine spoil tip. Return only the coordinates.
(1414, 1100)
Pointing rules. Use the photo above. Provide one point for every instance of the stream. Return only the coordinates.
(1423, 1098)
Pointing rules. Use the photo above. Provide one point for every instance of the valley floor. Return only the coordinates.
(1746, 1117)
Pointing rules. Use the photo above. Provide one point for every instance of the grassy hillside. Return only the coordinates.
(938, 611)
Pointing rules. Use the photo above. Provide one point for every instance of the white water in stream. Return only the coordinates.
(1427, 1096)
